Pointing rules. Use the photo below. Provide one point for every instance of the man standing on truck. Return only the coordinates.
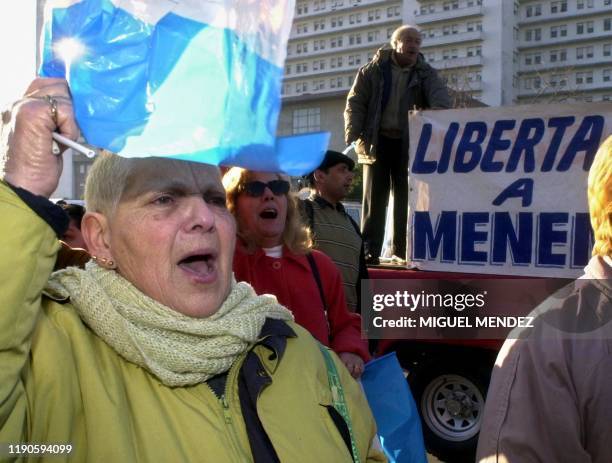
(550, 397)
(396, 80)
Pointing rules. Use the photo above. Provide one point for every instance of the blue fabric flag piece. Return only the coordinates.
(190, 79)
(396, 415)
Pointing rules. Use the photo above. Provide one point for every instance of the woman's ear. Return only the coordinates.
(96, 233)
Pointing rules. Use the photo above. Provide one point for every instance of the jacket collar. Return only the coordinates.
(273, 336)
(287, 254)
(323, 203)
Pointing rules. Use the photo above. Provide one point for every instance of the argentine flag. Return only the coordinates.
(197, 80)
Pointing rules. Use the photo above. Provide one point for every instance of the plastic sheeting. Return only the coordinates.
(191, 79)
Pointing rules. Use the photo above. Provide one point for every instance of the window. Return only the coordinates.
(318, 5)
(373, 15)
(558, 31)
(318, 45)
(373, 36)
(318, 85)
(354, 60)
(534, 10)
(607, 75)
(306, 120)
(557, 55)
(584, 77)
(558, 7)
(587, 27)
(607, 24)
(287, 69)
(337, 21)
(474, 26)
(607, 49)
(319, 25)
(354, 39)
(335, 82)
(318, 65)
(474, 51)
(584, 52)
(355, 18)
(299, 88)
(302, 8)
(558, 80)
(335, 42)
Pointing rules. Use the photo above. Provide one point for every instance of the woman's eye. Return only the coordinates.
(163, 200)
(216, 200)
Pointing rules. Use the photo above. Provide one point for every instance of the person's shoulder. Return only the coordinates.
(423, 67)
(324, 262)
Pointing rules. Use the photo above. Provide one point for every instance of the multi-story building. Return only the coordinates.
(330, 40)
(501, 52)
(564, 50)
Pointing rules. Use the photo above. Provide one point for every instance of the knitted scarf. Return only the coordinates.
(177, 349)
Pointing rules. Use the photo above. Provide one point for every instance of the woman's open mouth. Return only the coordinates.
(200, 266)
(268, 213)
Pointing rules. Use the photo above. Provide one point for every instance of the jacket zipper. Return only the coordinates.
(227, 415)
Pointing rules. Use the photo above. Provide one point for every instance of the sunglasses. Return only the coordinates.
(257, 188)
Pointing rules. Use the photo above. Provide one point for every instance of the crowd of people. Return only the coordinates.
(201, 305)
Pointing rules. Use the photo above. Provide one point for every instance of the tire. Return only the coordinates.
(451, 404)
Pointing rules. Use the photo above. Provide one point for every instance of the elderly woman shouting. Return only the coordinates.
(274, 255)
(152, 352)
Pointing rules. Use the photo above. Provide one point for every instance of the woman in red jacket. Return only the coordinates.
(274, 255)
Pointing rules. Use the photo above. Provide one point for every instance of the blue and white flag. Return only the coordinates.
(191, 79)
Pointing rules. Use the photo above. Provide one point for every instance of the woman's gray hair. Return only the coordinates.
(106, 182)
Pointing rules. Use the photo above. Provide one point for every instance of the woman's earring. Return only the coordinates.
(108, 264)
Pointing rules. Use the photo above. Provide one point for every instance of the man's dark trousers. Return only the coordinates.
(388, 173)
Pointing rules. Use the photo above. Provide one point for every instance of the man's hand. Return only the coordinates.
(29, 162)
(353, 363)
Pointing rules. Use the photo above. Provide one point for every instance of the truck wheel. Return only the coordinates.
(451, 405)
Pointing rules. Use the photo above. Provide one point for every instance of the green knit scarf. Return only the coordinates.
(177, 349)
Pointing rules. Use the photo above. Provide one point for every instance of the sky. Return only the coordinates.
(17, 48)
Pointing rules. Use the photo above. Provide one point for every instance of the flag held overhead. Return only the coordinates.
(190, 79)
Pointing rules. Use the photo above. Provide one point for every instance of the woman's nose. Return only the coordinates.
(267, 194)
(200, 214)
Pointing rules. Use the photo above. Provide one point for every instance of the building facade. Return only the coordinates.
(330, 40)
(501, 52)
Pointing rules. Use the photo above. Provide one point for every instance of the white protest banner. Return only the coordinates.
(503, 190)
